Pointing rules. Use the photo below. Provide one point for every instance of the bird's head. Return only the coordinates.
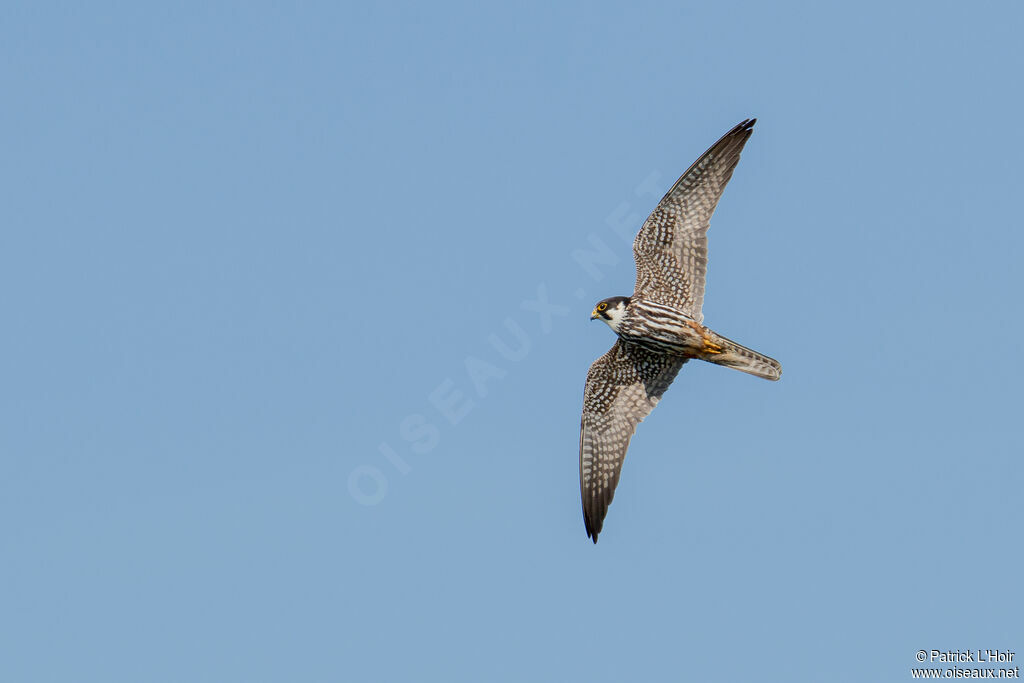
(611, 311)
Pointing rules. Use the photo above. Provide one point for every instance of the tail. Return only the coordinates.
(732, 355)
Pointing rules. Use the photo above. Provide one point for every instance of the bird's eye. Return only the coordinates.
(601, 307)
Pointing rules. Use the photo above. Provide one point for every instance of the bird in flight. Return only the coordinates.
(660, 326)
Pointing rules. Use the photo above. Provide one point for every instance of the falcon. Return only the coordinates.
(660, 326)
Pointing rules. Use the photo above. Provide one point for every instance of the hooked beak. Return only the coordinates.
(594, 314)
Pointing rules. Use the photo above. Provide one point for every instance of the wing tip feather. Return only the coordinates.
(591, 531)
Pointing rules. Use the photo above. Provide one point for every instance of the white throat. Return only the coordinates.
(615, 316)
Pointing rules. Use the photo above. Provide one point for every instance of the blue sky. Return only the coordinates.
(255, 422)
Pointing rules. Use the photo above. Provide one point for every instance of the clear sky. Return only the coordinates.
(295, 329)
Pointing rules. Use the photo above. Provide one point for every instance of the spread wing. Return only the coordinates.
(671, 249)
(623, 386)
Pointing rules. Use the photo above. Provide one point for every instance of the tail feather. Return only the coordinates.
(745, 360)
